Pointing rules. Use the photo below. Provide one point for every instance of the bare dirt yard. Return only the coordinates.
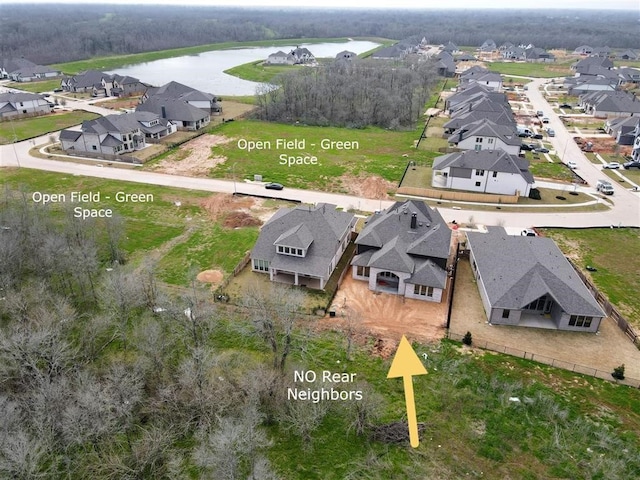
(238, 211)
(369, 186)
(214, 277)
(603, 351)
(193, 158)
(384, 316)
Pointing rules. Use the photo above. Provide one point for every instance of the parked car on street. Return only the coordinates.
(565, 105)
(537, 136)
(542, 150)
(551, 132)
(572, 165)
(632, 164)
(545, 119)
(528, 232)
(525, 147)
(612, 165)
(274, 186)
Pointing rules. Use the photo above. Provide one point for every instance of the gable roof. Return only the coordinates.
(319, 227)
(14, 97)
(540, 269)
(394, 245)
(124, 123)
(490, 160)
(174, 109)
(463, 118)
(486, 128)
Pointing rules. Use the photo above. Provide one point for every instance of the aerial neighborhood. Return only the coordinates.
(264, 243)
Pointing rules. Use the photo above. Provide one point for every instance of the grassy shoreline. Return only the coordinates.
(118, 61)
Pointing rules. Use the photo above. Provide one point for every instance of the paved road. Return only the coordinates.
(626, 211)
(627, 203)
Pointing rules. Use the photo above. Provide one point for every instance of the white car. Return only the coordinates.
(612, 165)
(572, 165)
(528, 232)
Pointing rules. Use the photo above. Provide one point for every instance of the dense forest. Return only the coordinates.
(60, 33)
(351, 94)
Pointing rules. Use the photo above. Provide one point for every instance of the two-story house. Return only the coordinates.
(22, 103)
(111, 135)
(403, 250)
(303, 245)
(486, 135)
(483, 171)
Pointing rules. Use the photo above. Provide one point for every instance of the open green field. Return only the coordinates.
(214, 247)
(562, 426)
(379, 152)
(259, 72)
(614, 253)
(147, 225)
(26, 128)
(117, 61)
(544, 70)
(36, 87)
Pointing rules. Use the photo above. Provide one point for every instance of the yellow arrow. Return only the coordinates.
(406, 364)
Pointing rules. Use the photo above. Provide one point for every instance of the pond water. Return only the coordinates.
(206, 70)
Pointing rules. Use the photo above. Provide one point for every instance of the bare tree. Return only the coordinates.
(274, 311)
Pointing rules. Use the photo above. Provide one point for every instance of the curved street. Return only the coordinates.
(625, 212)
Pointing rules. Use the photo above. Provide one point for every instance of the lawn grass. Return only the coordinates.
(472, 426)
(26, 128)
(380, 153)
(210, 247)
(117, 61)
(36, 87)
(258, 71)
(147, 225)
(614, 253)
(544, 70)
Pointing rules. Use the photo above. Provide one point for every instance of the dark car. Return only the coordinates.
(537, 136)
(57, 90)
(525, 147)
(566, 105)
(541, 150)
(274, 186)
(632, 164)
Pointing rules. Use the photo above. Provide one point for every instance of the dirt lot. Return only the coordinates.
(237, 211)
(386, 316)
(193, 158)
(370, 186)
(603, 351)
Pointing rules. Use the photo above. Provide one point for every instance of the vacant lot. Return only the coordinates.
(545, 70)
(614, 253)
(604, 351)
(36, 87)
(372, 153)
(35, 126)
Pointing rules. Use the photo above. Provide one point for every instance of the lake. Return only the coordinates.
(206, 70)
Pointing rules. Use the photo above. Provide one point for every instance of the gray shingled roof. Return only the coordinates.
(298, 236)
(71, 135)
(489, 160)
(175, 109)
(124, 123)
(428, 273)
(486, 128)
(323, 222)
(517, 270)
(466, 118)
(398, 247)
(13, 97)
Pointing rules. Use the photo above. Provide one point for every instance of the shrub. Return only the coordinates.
(534, 194)
(618, 372)
(467, 339)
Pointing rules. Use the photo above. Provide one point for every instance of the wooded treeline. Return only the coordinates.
(104, 376)
(350, 94)
(60, 33)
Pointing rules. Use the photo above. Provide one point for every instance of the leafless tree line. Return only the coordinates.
(350, 94)
(60, 33)
(140, 383)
